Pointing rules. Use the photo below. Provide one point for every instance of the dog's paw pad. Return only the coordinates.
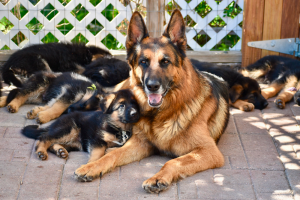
(11, 109)
(155, 186)
(42, 155)
(84, 178)
(30, 115)
(279, 103)
(248, 107)
(62, 153)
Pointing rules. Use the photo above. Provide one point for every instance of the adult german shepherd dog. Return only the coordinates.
(244, 92)
(56, 57)
(183, 112)
(282, 74)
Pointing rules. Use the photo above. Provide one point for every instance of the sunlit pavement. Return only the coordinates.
(261, 149)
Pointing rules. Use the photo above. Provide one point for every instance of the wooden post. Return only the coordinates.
(272, 23)
(252, 29)
(290, 21)
(155, 17)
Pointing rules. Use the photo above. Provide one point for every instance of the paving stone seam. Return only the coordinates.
(279, 153)
(60, 182)
(22, 181)
(240, 139)
(294, 114)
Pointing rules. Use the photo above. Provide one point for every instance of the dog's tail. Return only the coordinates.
(9, 76)
(33, 131)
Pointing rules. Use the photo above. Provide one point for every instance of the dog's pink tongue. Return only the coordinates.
(154, 98)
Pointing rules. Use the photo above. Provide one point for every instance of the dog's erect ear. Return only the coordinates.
(106, 101)
(137, 30)
(235, 92)
(176, 30)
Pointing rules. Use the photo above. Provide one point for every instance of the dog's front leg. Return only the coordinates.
(242, 105)
(133, 150)
(198, 160)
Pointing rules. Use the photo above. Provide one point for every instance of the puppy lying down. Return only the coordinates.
(93, 132)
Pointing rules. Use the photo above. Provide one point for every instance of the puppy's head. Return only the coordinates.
(248, 90)
(156, 63)
(90, 100)
(297, 97)
(122, 107)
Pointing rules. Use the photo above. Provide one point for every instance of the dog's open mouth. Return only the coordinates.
(155, 100)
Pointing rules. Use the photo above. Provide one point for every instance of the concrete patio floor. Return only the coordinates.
(261, 148)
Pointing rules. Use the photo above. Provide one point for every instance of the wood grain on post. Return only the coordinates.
(272, 23)
(252, 29)
(290, 21)
(155, 17)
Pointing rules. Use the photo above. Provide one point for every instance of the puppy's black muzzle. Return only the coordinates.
(132, 116)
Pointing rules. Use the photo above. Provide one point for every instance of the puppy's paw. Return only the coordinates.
(42, 155)
(280, 103)
(247, 107)
(31, 114)
(88, 172)
(12, 108)
(42, 118)
(3, 101)
(155, 185)
(62, 153)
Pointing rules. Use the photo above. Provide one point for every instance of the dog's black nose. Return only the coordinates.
(153, 85)
(133, 112)
(265, 104)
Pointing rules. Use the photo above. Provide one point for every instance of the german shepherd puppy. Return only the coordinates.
(244, 92)
(57, 90)
(281, 73)
(107, 72)
(183, 112)
(92, 132)
(56, 57)
(297, 97)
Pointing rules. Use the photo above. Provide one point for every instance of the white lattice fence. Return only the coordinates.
(110, 27)
(202, 24)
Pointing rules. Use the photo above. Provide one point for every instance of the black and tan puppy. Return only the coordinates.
(282, 74)
(107, 71)
(244, 92)
(93, 132)
(56, 57)
(57, 90)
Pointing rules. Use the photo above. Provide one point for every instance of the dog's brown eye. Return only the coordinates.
(143, 61)
(166, 61)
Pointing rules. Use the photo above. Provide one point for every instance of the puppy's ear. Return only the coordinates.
(106, 102)
(235, 92)
(176, 30)
(137, 31)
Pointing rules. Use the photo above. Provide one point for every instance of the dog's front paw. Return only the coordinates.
(247, 107)
(86, 173)
(31, 114)
(62, 153)
(42, 155)
(42, 118)
(280, 103)
(12, 108)
(155, 185)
